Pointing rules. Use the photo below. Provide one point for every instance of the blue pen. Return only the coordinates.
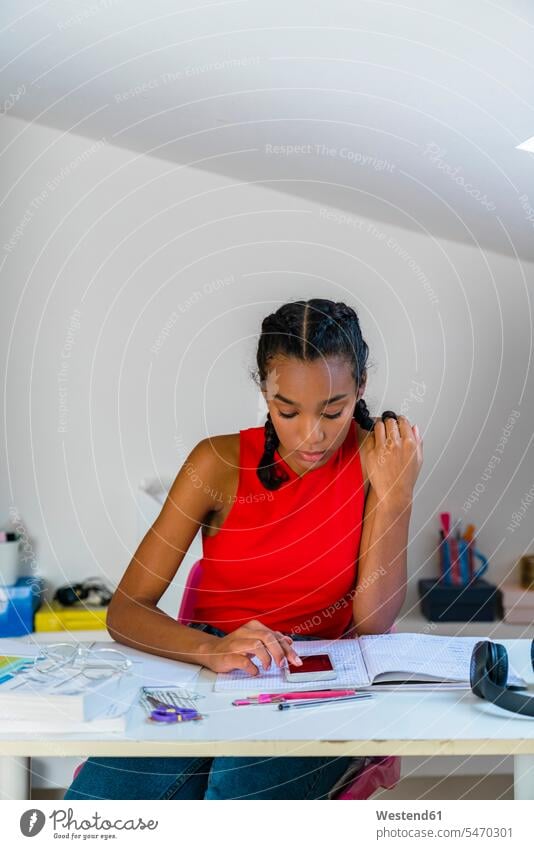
(323, 702)
(463, 550)
(446, 561)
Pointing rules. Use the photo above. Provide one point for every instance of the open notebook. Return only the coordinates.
(384, 660)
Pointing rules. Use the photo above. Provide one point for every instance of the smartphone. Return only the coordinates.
(315, 667)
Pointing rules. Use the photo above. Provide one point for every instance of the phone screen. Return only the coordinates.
(312, 663)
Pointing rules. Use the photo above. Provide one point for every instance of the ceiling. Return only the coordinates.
(408, 114)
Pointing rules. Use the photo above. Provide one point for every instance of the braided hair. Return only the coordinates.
(309, 330)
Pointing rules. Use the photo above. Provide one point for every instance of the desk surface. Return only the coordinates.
(393, 723)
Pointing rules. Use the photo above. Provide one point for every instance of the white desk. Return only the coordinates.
(431, 723)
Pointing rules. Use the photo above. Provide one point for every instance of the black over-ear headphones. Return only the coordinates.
(489, 675)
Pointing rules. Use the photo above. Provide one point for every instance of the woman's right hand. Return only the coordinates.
(235, 650)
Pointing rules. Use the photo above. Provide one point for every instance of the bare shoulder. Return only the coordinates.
(217, 453)
(224, 447)
(215, 460)
(218, 460)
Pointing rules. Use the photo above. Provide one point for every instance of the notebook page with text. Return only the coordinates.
(420, 657)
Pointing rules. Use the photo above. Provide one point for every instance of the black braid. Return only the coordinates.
(270, 473)
(361, 414)
(309, 330)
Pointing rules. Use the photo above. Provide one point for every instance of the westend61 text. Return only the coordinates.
(408, 815)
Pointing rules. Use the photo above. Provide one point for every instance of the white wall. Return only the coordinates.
(121, 245)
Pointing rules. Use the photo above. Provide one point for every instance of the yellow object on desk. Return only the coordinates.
(526, 565)
(53, 616)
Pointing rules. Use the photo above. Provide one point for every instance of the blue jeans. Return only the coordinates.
(208, 778)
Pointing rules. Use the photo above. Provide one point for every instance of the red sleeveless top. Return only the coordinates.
(287, 557)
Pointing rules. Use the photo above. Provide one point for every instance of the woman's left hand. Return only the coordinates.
(393, 453)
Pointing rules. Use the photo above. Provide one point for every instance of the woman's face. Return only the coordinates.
(311, 406)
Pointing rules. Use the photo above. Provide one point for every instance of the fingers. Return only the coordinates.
(242, 649)
(279, 646)
(388, 437)
(255, 647)
(379, 431)
(404, 427)
(254, 640)
(290, 653)
(386, 430)
(393, 429)
(410, 434)
(239, 661)
(408, 431)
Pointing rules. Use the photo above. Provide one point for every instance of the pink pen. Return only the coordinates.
(270, 698)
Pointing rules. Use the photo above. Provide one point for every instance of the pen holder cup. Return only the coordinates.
(457, 562)
(9, 562)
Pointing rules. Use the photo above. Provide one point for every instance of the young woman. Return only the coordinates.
(305, 528)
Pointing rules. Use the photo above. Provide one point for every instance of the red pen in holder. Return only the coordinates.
(457, 559)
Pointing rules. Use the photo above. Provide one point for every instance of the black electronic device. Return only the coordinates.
(92, 592)
(489, 676)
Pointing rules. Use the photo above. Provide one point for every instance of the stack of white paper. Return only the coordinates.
(78, 704)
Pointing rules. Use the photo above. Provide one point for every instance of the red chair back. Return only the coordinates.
(189, 597)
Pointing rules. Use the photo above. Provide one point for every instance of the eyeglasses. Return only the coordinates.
(56, 660)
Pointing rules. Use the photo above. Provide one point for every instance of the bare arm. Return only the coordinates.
(382, 570)
(393, 457)
(133, 617)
